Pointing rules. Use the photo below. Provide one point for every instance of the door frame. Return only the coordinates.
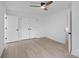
(68, 31)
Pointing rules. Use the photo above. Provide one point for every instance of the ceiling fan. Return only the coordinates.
(43, 5)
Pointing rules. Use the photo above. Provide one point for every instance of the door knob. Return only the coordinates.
(29, 28)
(17, 29)
(69, 33)
(6, 28)
(6, 38)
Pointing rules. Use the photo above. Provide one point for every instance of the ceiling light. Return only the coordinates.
(43, 6)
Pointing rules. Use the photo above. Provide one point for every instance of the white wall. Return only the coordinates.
(55, 25)
(2, 10)
(75, 28)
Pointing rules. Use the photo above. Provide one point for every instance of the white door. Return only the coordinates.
(69, 31)
(12, 28)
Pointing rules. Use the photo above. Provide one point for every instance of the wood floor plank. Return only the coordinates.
(36, 48)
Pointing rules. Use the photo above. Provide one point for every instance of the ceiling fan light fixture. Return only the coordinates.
(43, 6)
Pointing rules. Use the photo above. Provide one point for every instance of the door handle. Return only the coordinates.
(17, 29)
(6, 38)
(29, 28)
(6, 28)
(70, 33)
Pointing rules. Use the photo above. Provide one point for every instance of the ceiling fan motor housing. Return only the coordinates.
(42, 3)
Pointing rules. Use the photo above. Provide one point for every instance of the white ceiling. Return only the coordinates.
(22, 8)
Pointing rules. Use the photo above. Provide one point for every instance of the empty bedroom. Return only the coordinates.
(38, 29)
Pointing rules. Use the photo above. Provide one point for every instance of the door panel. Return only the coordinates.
(12, 28)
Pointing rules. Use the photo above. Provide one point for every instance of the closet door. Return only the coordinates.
(12, 29)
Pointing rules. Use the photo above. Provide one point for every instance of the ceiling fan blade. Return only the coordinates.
(48, 3)
(34, 6)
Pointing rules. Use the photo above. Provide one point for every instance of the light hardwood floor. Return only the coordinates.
(36, 48)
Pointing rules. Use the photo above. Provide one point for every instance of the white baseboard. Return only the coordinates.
(53, 38)
(25, 39)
